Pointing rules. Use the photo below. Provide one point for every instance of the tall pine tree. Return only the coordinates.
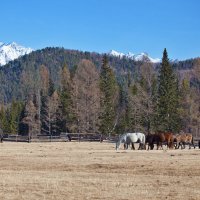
(66, 103)
(168, 118)
(109, 90)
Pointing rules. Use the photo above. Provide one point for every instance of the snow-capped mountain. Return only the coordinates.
(11, 51)
(136, 57)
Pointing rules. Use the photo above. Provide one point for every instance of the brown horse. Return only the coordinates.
(159, 139)
(183, 139)
(166, 138)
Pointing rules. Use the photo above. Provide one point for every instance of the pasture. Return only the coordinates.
(93, 170)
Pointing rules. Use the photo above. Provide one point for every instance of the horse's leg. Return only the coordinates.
(158, 144)
(161, 146)
(190, 145)
(177, 145)
(167, 145)
(140, 146)
(193, 144)
(183, 145)
(133, 147)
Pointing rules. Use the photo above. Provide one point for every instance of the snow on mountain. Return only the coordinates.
(136, 57)
(12, 51)
(117, 54)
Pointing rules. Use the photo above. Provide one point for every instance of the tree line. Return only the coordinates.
(92, 99)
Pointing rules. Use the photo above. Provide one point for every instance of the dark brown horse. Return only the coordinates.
(152, 139)
(159, 139)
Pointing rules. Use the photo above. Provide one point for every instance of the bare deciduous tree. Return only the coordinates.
(87, 96)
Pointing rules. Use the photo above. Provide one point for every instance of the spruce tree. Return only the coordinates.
(44, 115)
(51, 88)
(4, 123)
(66, 103)
(168, 118)
(14, 116)
(108, 88)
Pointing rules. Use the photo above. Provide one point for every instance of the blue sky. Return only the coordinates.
(101, 25)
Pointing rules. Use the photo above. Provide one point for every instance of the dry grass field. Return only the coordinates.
(92, 170)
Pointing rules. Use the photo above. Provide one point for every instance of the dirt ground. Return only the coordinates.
(92, 170)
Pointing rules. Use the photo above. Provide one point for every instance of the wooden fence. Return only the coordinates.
(56, 138)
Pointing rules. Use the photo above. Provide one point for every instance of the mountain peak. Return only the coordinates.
(137, 57)
(11, 51)
(116, 54)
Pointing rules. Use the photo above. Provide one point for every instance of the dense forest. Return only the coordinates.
(54, 90)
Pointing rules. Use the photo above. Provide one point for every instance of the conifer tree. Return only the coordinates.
(168, 118)
(66, 104)
(4, 123)
(109, 90)
(51, 88)
(14, 116)
(44, 113)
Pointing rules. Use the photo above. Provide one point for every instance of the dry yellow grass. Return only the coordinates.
(96, 171)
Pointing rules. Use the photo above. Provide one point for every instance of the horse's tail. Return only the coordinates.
(144, 139)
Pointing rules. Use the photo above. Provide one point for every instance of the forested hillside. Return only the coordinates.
(54, 90)
(21, 77)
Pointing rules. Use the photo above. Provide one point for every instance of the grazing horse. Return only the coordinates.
(183, 139)
(190, 140)
(159, 139)
(131, 138)
(152, 139)
(179, 139)
(169, 139)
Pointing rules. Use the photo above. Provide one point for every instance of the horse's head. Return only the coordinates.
(117, 145)
(122, 139)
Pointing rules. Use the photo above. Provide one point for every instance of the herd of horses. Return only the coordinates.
(159, 139)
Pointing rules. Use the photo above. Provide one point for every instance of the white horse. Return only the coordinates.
(131, 138)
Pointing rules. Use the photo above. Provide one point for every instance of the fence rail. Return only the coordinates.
(56, 138)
